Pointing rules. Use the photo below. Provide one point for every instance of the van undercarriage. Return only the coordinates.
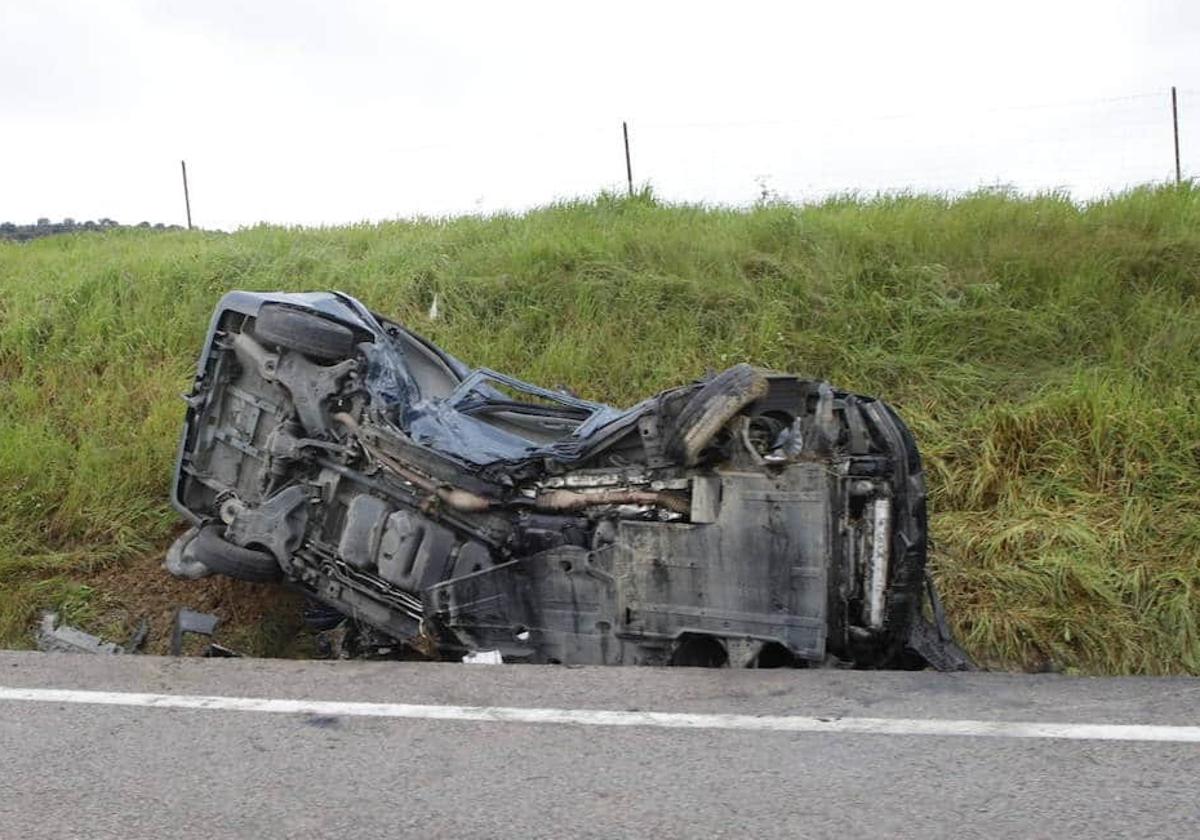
(751, 519)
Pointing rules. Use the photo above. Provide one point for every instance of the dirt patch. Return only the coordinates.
(259, 619)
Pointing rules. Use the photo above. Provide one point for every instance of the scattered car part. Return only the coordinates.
(138, 639)
(53, 637)
(189, 621)
(752, 519)
(483, 657)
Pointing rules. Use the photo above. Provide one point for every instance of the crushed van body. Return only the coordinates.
(753, 518)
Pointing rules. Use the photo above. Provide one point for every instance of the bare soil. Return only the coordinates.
(259, 619)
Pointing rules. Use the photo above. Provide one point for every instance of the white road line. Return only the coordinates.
(601, 717)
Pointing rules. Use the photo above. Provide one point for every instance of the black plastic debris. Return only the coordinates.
(200, 624)
(53, 637)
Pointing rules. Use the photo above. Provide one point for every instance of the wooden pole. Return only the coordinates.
(1175, 124)
(187, 201)
(628, 166)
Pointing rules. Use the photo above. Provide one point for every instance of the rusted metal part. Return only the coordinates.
(569, 500)
(456, 497)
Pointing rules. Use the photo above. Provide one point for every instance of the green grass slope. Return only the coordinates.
(1046, 355)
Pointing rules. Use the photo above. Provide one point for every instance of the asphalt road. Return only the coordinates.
(96, 761)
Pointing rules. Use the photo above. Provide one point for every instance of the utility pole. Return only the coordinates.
(1175, 123)
(628, 166)
(187, 202)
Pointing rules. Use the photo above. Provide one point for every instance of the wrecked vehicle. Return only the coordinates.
(752, 519)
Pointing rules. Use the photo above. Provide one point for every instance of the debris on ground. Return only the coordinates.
(483, 657)
(53, 637)
(190, 622)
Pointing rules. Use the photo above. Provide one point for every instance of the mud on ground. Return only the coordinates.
(256, 619)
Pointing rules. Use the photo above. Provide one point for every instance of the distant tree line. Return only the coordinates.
(45, 227)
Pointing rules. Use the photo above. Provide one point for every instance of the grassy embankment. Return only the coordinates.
(1046, 355)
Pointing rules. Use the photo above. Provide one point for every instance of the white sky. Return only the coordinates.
(327, 112)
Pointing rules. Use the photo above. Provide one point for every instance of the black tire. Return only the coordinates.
(225, 558)
(714, 405)
(304, 332)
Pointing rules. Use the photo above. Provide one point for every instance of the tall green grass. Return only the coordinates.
(1046, 354)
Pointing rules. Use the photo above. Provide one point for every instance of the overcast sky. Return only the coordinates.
(329, 112)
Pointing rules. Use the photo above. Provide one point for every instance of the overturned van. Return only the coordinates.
(751, 519)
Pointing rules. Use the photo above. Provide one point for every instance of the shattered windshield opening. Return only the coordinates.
(536, 414)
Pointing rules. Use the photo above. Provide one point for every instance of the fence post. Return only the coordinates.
(1175, 124)
(628, 166)
(187, 201)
